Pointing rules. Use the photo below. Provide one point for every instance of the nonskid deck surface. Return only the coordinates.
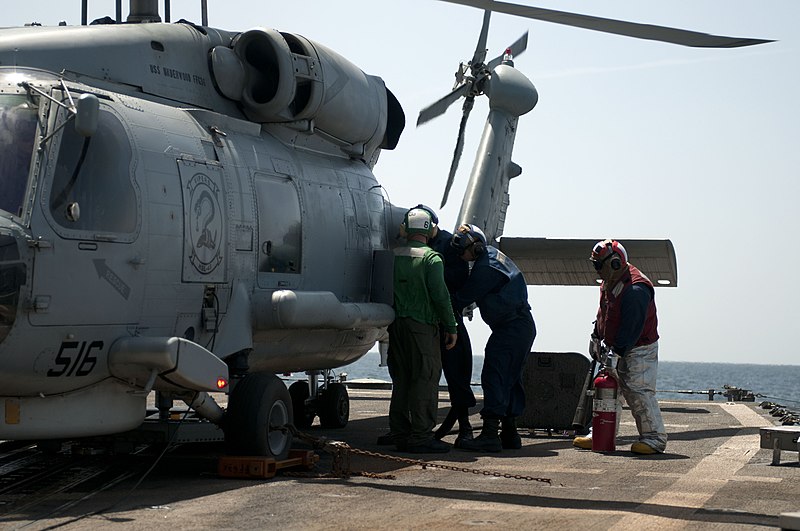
(713, 476)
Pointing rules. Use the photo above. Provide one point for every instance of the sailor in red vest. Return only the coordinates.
(627, 323)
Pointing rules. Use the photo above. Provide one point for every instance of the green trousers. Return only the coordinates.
(415, 365)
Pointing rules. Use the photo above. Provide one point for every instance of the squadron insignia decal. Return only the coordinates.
(205, 227)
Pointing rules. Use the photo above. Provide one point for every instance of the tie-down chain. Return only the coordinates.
(341, 452)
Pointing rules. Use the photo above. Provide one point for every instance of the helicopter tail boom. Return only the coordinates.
(486, 200)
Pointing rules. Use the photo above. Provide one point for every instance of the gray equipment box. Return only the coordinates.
(553, 383)
(779, 438)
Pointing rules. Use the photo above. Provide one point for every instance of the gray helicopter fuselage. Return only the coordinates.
(181, 206)
(179, 223)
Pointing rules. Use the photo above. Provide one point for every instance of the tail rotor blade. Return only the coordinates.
(468, 103)
(440, 106)
(519, 46)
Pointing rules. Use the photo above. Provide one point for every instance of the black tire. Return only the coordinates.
(258, 416)
(303, 413)
(50, 447)
(334, 406)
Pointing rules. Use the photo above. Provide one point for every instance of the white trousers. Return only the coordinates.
(637, 370)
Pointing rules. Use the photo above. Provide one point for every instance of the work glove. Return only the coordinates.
(595, 348)
(469, 310)
(610, 362)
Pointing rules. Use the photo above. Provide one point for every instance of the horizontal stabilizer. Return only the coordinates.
(558, 262)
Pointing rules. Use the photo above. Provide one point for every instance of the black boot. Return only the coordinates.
(464, 430)
(509, 436)
(488, 440)
(447, 424)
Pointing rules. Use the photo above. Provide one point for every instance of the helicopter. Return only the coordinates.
(194, 211)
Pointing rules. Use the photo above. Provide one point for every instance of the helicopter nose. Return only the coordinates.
(12, 278)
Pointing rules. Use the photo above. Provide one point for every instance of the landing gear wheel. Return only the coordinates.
(334, 406)
(303, 413)
(50, 447)
(258, 416)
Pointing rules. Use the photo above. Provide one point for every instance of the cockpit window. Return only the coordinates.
(17, 135)
(95, 175)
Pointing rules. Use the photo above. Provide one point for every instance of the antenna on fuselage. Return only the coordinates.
(143, 11)
(203, 9)
(85, 12)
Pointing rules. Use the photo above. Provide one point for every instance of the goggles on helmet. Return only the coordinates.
(598, 264)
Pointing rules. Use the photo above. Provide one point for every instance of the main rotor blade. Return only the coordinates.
(468, 103)
(480, 50)
(517, 48)
(618, 27)
(438, 107)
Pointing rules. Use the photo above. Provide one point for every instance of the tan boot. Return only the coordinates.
(643, 449)
(584, 442)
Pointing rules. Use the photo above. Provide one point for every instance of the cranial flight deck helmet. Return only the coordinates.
(609, 250)
(430, 211)
(418, 221)
(469, 236)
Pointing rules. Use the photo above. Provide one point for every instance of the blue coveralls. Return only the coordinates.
(498, 287)
(456, 362)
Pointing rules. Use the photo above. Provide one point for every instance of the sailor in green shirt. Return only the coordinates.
(421, 302)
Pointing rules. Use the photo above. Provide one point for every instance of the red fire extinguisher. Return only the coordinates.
(604, 413)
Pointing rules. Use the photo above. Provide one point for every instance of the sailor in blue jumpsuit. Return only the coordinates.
(456, 362)
(499, 289)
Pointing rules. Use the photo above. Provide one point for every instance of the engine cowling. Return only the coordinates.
(286, 78)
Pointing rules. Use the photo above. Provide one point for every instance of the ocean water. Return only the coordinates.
(775, 383)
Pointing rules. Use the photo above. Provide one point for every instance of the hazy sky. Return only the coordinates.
(630, 139)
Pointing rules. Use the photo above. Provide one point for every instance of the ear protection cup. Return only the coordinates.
(466, 238)
(615, 262)
(478, 248)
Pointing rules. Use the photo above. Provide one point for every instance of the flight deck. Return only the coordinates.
(716, 474)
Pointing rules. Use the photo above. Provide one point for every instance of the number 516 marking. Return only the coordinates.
(75, 355)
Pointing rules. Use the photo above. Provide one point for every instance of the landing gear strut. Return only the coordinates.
(330, 401)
